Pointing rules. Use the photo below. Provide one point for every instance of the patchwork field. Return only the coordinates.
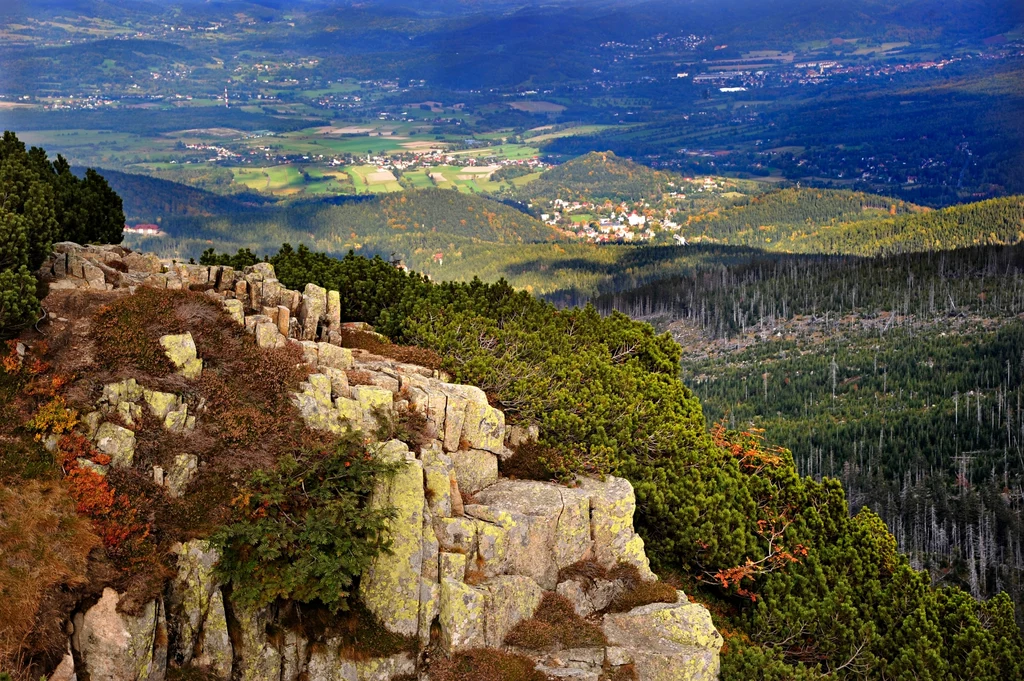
(292, 181)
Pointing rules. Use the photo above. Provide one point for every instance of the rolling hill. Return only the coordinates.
(825, 221)
(600, 175)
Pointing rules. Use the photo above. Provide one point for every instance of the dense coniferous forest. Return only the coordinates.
(901, 376)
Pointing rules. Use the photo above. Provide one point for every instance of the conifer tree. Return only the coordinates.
(40, 203)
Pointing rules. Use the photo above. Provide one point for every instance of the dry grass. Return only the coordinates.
(485, 664)
(555, 625)
(359, 377)
(44, 552)
(409, 354)
(531, 461)
(626, 672)
(636, 590)
(403, 423)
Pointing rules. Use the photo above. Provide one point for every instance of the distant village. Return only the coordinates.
(625, 222)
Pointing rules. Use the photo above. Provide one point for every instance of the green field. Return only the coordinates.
(543, 136)
(289, 180)
(509, 151)
(364, 182)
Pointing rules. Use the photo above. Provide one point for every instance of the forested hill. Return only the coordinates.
(767, 217)
(148, 199)
(413, 225)
(823, 221)
(600, 175)
(997, 221)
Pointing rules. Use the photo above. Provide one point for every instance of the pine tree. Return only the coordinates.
(41, 203)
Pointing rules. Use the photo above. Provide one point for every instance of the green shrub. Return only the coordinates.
(305, 530)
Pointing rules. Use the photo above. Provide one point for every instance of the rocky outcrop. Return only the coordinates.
(196, 613)
(112, 645)
(666, 642)
(472, 554)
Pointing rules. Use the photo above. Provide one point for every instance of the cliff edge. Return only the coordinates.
(477, 561)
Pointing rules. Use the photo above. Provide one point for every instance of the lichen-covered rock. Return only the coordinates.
(65, 671)
(118, 647)
(510, 599)
(496, 533)
(613, 504)
(226, 277)
(390, 587)
(667, 641)
(90, 465)
(312, 310)
(215, 652)
(462, 616)
(386, 668)
(428, 398)
(284, 318)
(263, 270)
(180, 474)
(130, 412)
(116, 442)
(349, 411)
(334, 357)
(454, 417)
(292, 646)
(177, 421)
(127, 390)
(143, 262)
(181, 350)
(310, 354)
(452, 566)
(430, 605)
(437, 482)
(161, 404)
(267, 335)
(235, 310)
(198, 625)
(456, 535)
(325, 663)
(371, 399)
(314, 404)
(339, 381)
(475, 469)
(334, 309)
(94, 277)
(485, 426)
(254, 320)
(518, 435)
(552, 521)
(91, 423)
(590, 598)
(257, 659)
